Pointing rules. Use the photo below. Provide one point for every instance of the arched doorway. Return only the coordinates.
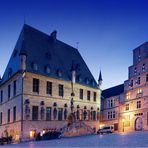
(138, 124)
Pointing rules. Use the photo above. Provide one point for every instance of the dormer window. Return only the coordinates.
(79, 78)
(86, 80)
(59, 73)
(34, 66)
(47, 69)
(92, 82)
(143, 67)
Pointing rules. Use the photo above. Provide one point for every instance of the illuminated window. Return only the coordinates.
(32, 134)
(139, 91)
(127, 107)
(128, 95)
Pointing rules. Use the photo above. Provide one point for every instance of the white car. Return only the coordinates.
(106, 129)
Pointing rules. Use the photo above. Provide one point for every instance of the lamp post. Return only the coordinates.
(123, 120)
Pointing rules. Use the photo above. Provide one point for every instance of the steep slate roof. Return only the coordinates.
(113, 91)
(43, 50)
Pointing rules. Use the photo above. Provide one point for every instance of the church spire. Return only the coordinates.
(100, 79)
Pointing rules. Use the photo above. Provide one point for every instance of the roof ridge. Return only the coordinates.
(114, 87)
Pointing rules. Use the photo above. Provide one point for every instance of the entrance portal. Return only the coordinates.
(138, 124)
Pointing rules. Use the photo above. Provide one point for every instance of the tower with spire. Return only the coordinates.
(100, 79)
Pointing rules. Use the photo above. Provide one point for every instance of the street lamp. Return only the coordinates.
(123, 120)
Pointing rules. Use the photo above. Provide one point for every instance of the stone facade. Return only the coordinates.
(28, 105)
(25, 83)
(132, 108)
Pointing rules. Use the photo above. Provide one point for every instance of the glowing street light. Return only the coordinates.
(123, 120)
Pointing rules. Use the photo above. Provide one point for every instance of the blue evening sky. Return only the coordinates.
(107, 30)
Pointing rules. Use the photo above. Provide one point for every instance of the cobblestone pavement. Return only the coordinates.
(135, 139)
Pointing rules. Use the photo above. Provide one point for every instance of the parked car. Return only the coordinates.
(48, 135)
(106, 129)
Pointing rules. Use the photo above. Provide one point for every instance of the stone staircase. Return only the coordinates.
(77, 128)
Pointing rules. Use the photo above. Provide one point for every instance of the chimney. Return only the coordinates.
(54, 35)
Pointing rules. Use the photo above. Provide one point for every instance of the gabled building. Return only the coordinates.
(134, 111)
(110, 106)
(42, 76)
(127, 105)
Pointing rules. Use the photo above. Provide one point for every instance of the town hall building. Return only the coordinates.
(44, 80)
